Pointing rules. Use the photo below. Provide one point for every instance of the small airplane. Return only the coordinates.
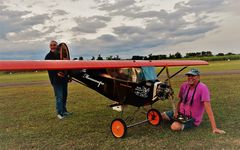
(126, 82)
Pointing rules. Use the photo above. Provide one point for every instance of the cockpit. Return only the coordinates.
(133, 74)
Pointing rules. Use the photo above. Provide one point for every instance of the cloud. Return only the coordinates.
(233, 7)
(15, 22)
(205, 5)
(90, 24)
(34, 20)
(26, 35)
(189, 21)
(163, 28)
(201, 29)
(107, 38)
(23, 50)
(59, 12)
(109, 26)
(128, 30)
(10, 21)
(118, 5)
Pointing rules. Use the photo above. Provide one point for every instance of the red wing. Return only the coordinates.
(83, 64)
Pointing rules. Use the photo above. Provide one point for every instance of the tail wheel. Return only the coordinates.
(154, 117)
(118, 128)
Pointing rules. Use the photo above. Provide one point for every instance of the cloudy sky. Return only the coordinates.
(118, 27)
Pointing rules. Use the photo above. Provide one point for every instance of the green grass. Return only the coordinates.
(215, 66)
(23, 77)
(217, 58)
(28, 119)
(221, 66)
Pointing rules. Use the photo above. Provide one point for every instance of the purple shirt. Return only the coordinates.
(197, 109)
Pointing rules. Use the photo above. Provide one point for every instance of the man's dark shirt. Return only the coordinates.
(53, 74)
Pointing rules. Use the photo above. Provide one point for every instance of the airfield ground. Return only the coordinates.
(28, 120)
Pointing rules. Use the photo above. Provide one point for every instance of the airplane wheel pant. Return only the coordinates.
(60, 91)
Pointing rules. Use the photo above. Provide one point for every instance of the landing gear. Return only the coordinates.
(154, 117)
(119, 127)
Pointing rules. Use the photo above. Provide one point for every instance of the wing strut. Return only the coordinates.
(161, 71)
(76, 80)
(176, 73)
(171, 95)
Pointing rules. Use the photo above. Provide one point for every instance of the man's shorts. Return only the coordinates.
(190, 124)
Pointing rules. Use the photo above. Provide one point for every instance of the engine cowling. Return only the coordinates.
(162, 91)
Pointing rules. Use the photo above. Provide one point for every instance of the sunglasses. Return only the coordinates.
(53, 44)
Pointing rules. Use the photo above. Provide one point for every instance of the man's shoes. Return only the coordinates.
(67, 113)
(60, 116)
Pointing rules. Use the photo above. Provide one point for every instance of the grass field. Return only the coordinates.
(28, 119)
(217, 58)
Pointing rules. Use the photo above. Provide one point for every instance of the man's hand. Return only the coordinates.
(208, 109)
(61, 74)
(175, 114)
(69, 79)
(218, 131)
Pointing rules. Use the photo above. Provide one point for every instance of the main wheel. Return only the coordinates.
(118, 128)
(154, 117)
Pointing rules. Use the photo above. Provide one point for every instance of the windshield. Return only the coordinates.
(149, 73)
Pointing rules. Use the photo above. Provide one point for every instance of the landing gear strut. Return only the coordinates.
(119, 127)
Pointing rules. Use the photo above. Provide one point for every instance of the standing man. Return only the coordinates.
(59, 82)
(194, 99)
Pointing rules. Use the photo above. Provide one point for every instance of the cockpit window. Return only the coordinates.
(130, 74)
(149, 73)
(120, 73)
(123, 73)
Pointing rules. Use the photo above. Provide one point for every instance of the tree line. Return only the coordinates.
(177, 55)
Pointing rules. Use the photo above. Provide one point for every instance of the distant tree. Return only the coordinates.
(207, 53)
(158, 57)
(220, 54)
(230, 53)
(155, 57)
(93, 58)
(75, 58)
(116, 57)
(162, 57)
(198, 54)
(80, 58)
(138, 57)
(178, 55)
(171, 56)
(150, 57)
(99, 57)
(190, 55)
(134, 57)
(204, 53)
(109, 58)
